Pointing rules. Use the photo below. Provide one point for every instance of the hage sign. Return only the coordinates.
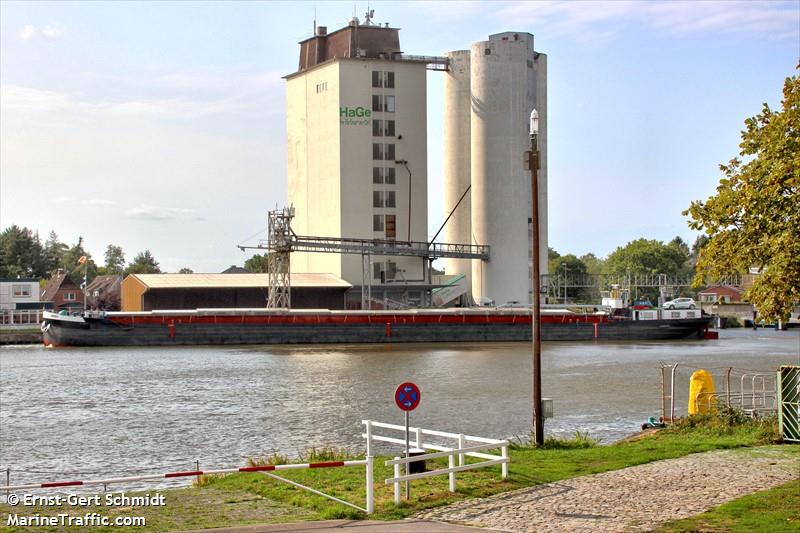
(354, 116)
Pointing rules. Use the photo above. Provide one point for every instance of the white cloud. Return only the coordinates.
(98, 202)
(591, 20)
(48, 31)
(152, 212)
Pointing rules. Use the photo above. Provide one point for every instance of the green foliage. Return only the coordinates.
(726, 421)
(754, 218)
(70, 262)
(115, 260)
(325, 453)
(22, 254)
(644, 256)
(580, 440)
(259, 263)
(573, 267)
(53, 253)
(143, 263)
(186, 270)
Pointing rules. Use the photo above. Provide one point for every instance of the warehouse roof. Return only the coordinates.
(232, 281)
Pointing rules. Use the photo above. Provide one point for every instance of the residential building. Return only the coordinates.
(103, 293)
(63, 293)
(20, 293)
(727, 294)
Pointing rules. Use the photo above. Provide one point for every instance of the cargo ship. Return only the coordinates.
(264, 326)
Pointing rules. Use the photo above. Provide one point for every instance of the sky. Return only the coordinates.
(161, 126)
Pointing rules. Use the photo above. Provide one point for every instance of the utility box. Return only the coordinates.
(547, 408)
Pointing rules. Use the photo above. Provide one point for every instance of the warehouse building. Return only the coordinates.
(149, 292)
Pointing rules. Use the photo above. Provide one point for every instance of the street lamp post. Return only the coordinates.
(538, 420)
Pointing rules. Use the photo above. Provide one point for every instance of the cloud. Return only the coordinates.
(97, 202)
(602, 19)
(152, 212)
(50, 32)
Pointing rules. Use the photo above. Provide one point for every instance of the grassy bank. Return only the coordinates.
(775, 510)
(252, 498)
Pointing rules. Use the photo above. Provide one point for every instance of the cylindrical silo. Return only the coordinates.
(503, 93)
(457, 159)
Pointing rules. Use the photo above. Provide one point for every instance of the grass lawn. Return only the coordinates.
(253, 497)
(773, 510)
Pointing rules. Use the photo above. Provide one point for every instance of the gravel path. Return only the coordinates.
(638, 498)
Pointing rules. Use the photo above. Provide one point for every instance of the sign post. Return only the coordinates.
(407, 397)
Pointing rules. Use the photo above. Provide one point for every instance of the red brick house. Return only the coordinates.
(63, 292)
(721, 294)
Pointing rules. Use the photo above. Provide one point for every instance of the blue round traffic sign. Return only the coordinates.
(407, 396)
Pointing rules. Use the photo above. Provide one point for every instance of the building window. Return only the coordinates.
(377, 198)
(391, 226)
(378, 174)
(377, 151)
(377, 102)
(390, 199)
(377, 222)
(377, 269)
(21, 291)
(383, 79)
(382, 128)
(389, 175)
(388, 104)
(69, 296)
(390, 152)
(322, 87)
(391, 270)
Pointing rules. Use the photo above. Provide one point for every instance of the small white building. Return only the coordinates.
(19, 293)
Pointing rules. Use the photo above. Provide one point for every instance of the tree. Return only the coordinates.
(115, 260)
(259, 263)
(644, 256)
(143, 263)
(575, 269)
(22, 253)
(753, 221)
(53, 254)
(594, 265)
(77, 270)
(186, 270)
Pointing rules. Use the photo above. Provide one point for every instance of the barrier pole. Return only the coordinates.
(369, 438)
(451, 463)
(408, 465)
(370, 485)
(461, 444)
(397, 483)
(419, 439)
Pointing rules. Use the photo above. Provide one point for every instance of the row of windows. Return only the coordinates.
(381, 152)
(21, 291)
(383, 128)
(384, 199)
(383, 79)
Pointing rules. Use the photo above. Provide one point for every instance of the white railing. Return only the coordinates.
(459, 449)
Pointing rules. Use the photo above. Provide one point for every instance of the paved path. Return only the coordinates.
(351, 526)
(638, 498)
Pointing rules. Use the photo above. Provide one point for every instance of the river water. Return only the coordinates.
(97, 412)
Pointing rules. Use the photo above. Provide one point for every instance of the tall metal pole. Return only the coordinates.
(538, 420)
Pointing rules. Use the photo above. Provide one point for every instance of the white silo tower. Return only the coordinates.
(457, 159)
(508, 79)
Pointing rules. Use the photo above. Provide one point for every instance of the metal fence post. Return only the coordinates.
(370, 485)
(461, 442)
(396, 483)
(419, 439)
(451, 463)
(369, 438)
(504, 467)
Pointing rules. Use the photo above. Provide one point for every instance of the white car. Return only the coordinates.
(680, 303)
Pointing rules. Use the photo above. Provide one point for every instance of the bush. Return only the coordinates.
(578, 441)
(726, 420)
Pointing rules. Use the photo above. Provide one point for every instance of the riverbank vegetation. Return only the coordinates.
(248, 498)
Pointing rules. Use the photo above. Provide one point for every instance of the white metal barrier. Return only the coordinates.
(265, 469)
(20, 317)
(459, 449)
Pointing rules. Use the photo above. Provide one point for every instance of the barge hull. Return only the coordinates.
(229, 330)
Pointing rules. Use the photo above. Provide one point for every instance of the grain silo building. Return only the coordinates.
(496, 84)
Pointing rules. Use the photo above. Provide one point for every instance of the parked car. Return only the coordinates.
(680, 303)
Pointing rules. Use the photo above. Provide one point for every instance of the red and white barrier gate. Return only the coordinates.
(266, 470)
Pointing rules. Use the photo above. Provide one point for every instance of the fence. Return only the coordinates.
(460, 450)
(789, 402)
(751, 391)
(265, 469)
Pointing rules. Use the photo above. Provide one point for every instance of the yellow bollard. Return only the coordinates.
(701, 393)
